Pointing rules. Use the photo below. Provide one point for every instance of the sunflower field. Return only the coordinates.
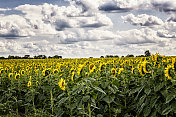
(89, 87)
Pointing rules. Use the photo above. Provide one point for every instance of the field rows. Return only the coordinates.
(94, 87)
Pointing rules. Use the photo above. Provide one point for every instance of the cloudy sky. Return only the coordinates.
(84, 28)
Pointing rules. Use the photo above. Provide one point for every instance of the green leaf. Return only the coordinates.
(141, 108)
(99, 115)
(141, 100)
(158, 107)
(141, 88)
(147, 111)
(173, 105)
(111, 89)
(104, 84)
(170, 97)
(76, 90)
(166, 110)
(164, 93)
(59, 112)
(85, 98)
(153, 113)
(109, 99)
(135, 90)
(158, 86)
(62, 94)
(153, 101)
(63, 100)
(99, 89)
(147, 90)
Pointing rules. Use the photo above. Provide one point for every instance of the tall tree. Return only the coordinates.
(147, 53)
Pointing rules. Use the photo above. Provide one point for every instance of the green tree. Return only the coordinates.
(147, 53)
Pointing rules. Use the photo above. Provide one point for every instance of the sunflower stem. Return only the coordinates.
(109, 109)
(70, 104)
(52, 102)
(89, 109)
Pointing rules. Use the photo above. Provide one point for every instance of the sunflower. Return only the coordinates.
(22, 72)
(80, 69)
(71, 70)
(37, 71)
(62, 84)
(72, 76)
(10, 75)
(30, 78)
(156, 57)
(146, 67)
(46, 72)
(132, 70)
(120, 70)
(61, 67)
(101, 67)
(37, 83)
(6, 70)
(17, 76)
(55, 71)
(113, 71)
(29, 84)
(174, 64)
(2, 71)
(91, 68)
(141, 70)
(168, 72)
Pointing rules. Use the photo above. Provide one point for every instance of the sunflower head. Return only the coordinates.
(132, 70)
(92, 68)
(10, 75)
(71, 70)
(141, 70)
(29, 84)
(167, 71)
(46, 72)
(17, 76)
(101, 67)
(62, 84)
(113, 71)
(146, 67)
(174, 64)
(2, 71)
(80, 69)
(22, 72)
(120, 70)
(72, 76)
(37, 83)
(55, 71)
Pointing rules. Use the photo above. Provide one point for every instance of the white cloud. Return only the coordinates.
(82, 29)
(136, 36)
(141, 36)
(142, 19)
(50, 19)
(72, 36)
(121, 5)
(3, 9)
(14, 25)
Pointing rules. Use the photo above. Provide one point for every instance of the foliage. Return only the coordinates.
(94, 87)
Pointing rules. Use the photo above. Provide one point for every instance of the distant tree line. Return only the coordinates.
(28, 57)
(146, 54)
